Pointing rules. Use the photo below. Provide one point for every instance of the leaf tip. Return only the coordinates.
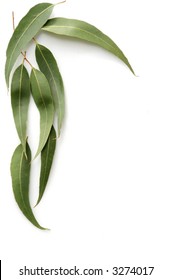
(38, 201)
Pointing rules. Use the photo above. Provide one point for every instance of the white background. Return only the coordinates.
(108, 198)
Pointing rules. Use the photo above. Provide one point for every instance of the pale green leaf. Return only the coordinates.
(20, 173)
(43, 98)
(85, 31)
(49, 67)
(27, 28)
(20, 96)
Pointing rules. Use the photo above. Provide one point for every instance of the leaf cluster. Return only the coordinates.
(45, 85)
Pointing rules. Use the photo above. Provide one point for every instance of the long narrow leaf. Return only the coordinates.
(28, 27)
(20, 96)
(85, 31)
(47, 155)
(20, 173)
(43, 98)
(49, 67)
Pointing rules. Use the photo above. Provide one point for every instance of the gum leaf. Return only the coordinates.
(27, 28)
(20, 96)
(20, 173)
(49, 67)
(47, 155)
(43, 98)
(85, 31)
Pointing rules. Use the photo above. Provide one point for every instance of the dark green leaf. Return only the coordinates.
(49, 67)
(46, 162)
(85, 31)
(43, 98)
(20, 96)
(28, 27)
(20, 172)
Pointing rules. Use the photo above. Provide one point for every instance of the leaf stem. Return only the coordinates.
(62, 2)
(13, 22)
(35, 41)
(25, 58)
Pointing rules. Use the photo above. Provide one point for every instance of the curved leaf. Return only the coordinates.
(43, 98)
(20, 96)
(85, 31)
(25, 31)
(49, 67)
(20, 172)
(46, 162)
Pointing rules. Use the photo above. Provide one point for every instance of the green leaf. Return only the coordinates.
(27, 28)
(49, 67)
(20, 173)
(20, 96)
(85, 31)
(43, 98)
(47, 155)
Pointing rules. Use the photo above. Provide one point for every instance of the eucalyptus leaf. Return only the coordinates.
(49, 67)
(27, 28)
(47, 155)
(43, 98)
(20, 173)
(20, 96)
(85, 31)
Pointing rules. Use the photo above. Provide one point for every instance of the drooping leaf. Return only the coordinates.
(20, 96)
(49, 67)
(20, 173)
(46, 162)
(43, 98)
(85, 31)
(27, 28)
